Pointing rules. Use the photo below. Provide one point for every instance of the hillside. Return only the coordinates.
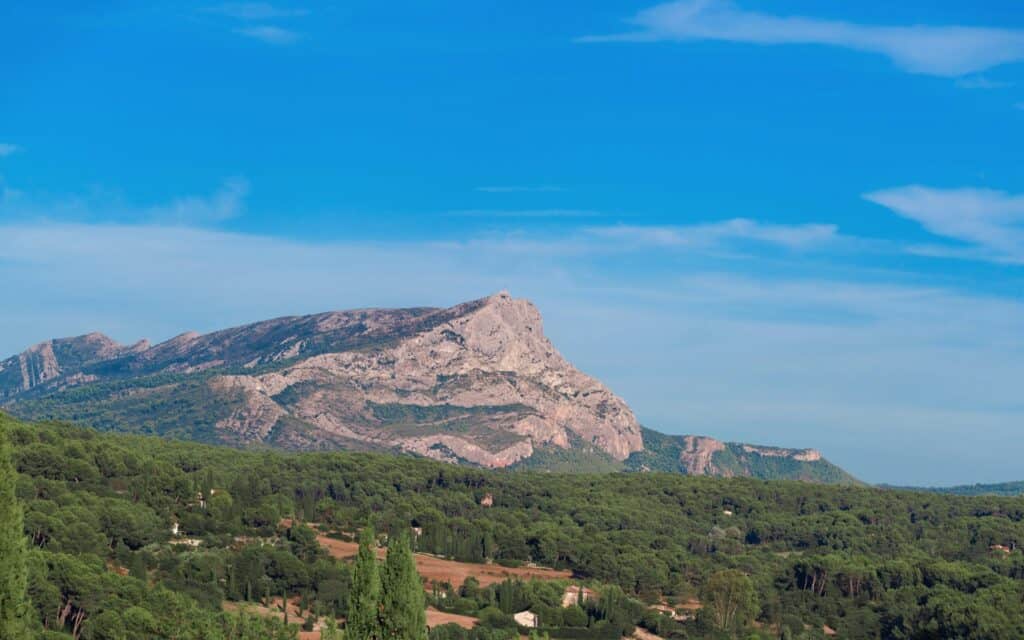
(994, 489)
(477, 383)
(868, 563)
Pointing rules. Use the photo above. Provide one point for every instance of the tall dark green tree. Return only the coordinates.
(15, 609)
(403, 606)
(364, 603)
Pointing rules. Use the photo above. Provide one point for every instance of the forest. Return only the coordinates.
(137, 537)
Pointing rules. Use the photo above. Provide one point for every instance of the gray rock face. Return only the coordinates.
(478, 382)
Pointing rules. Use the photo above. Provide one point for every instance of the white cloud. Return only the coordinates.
(104, 205)
(989, 223)
(982, 82)
(801, 236)
(7, 149)
(226, 203)
(933, 50)
(254, 11)
(270, 34)
(863, 370)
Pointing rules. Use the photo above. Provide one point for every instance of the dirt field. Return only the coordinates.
(436, 618)
(436, 569)
(644, 634)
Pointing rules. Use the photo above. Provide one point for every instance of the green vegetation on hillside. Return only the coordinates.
(869, 563)
(662, 453)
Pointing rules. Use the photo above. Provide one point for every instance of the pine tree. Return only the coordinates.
(137, 567)
(365, 597)
(15, 608)
(403, 607)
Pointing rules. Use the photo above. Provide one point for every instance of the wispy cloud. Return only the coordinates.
(7, 149)
(108, 206)
(254, 11)
(520, 189)
(988, 223)
(741, 356)
(248, 13)
(934, 50)
(269, 34)
(795, 237)
(226, 203)
(982, 82)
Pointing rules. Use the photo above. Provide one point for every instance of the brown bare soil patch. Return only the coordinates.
(436, 618)
(434, 569)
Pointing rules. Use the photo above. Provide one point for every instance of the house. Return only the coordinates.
(572, 593)
(174, 528)
(527, 619)
(1001, 548)
(487, 500)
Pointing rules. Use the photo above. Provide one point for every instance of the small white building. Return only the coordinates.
(527, 619)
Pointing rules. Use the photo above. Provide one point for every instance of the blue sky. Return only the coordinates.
(791, 223)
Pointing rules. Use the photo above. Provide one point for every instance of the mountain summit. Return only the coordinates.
(477, 383)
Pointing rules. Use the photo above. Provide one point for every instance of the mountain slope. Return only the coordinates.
(476, 383)
(1014, 488)
(701, 455)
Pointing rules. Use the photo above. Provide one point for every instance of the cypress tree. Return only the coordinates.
(365, 597)
(403, 607)
(15, 608)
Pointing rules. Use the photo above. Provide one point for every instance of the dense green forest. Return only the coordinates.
(766, 559)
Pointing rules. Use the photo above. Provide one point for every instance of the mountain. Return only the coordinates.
(477, 383)
(997, 489)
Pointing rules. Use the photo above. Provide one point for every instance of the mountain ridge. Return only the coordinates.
(477, 383)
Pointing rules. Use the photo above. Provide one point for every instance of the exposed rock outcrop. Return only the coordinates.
(478, 382)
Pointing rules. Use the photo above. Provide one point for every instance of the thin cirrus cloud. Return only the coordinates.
(226, 203)
(736, 354)
(982, 82)
(794, 237)
(253, 20)
(7, 149)
(269, 34)
(986, 224)
(254, 11)
(933, 50)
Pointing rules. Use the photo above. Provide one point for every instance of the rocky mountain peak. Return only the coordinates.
(478, 382)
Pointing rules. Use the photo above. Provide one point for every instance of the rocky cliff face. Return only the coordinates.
(704, 456)
(477, 383)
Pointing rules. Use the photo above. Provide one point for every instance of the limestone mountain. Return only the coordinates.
(477, 383)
